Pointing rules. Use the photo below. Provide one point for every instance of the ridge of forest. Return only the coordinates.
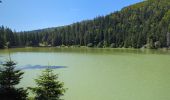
(144, 24)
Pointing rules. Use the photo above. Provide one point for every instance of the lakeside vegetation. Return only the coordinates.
(145, 24)
(9, 78)
(48, 86)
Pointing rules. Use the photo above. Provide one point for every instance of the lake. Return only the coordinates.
(100, 74)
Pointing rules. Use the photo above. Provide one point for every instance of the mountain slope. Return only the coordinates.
(142, 24)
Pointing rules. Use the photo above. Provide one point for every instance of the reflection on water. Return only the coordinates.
(88, 50)
(39, 67)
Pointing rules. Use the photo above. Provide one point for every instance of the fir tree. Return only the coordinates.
(49, 88)
(9, 78)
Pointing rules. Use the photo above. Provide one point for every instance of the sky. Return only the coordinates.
(26, 15)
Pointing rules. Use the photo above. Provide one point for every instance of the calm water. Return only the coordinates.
(101, 74)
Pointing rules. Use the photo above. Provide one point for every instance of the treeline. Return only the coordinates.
(144, 24)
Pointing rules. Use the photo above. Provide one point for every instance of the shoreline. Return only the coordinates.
(83, 47)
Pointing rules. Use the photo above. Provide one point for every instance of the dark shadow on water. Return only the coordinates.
(1, 63)
(40, 67)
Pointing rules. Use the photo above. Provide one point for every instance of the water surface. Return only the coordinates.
(101, 74)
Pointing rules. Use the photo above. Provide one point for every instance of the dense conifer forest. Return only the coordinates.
(145, 24)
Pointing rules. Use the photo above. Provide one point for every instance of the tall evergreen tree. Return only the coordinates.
(9, 78)
(49, 88)
(2, 39)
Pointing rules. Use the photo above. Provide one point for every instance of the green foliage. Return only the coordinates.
(157, 44)
(100, 45)
(2, 39)
(90, 45)
(130, 27)
(9, 78)
(48, 87)
(112, 45)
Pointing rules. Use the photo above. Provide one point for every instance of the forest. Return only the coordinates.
(145, 24)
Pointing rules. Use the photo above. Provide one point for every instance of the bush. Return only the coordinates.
(100, 45)
(113, 45)
(157, 44)
(90, 45)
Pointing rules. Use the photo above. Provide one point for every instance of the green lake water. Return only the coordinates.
(101, 74)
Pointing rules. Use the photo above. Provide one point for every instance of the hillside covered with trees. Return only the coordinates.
(145, 24)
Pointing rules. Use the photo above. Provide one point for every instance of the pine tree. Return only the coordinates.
(2, 43)
(9, 78)
(49, 88)
(2, 40)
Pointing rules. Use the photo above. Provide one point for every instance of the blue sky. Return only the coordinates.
(24, 15)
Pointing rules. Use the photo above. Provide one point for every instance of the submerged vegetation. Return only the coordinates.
(144, 24)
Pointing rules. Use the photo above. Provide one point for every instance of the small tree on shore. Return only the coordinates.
(48, 87)
(9, 78)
